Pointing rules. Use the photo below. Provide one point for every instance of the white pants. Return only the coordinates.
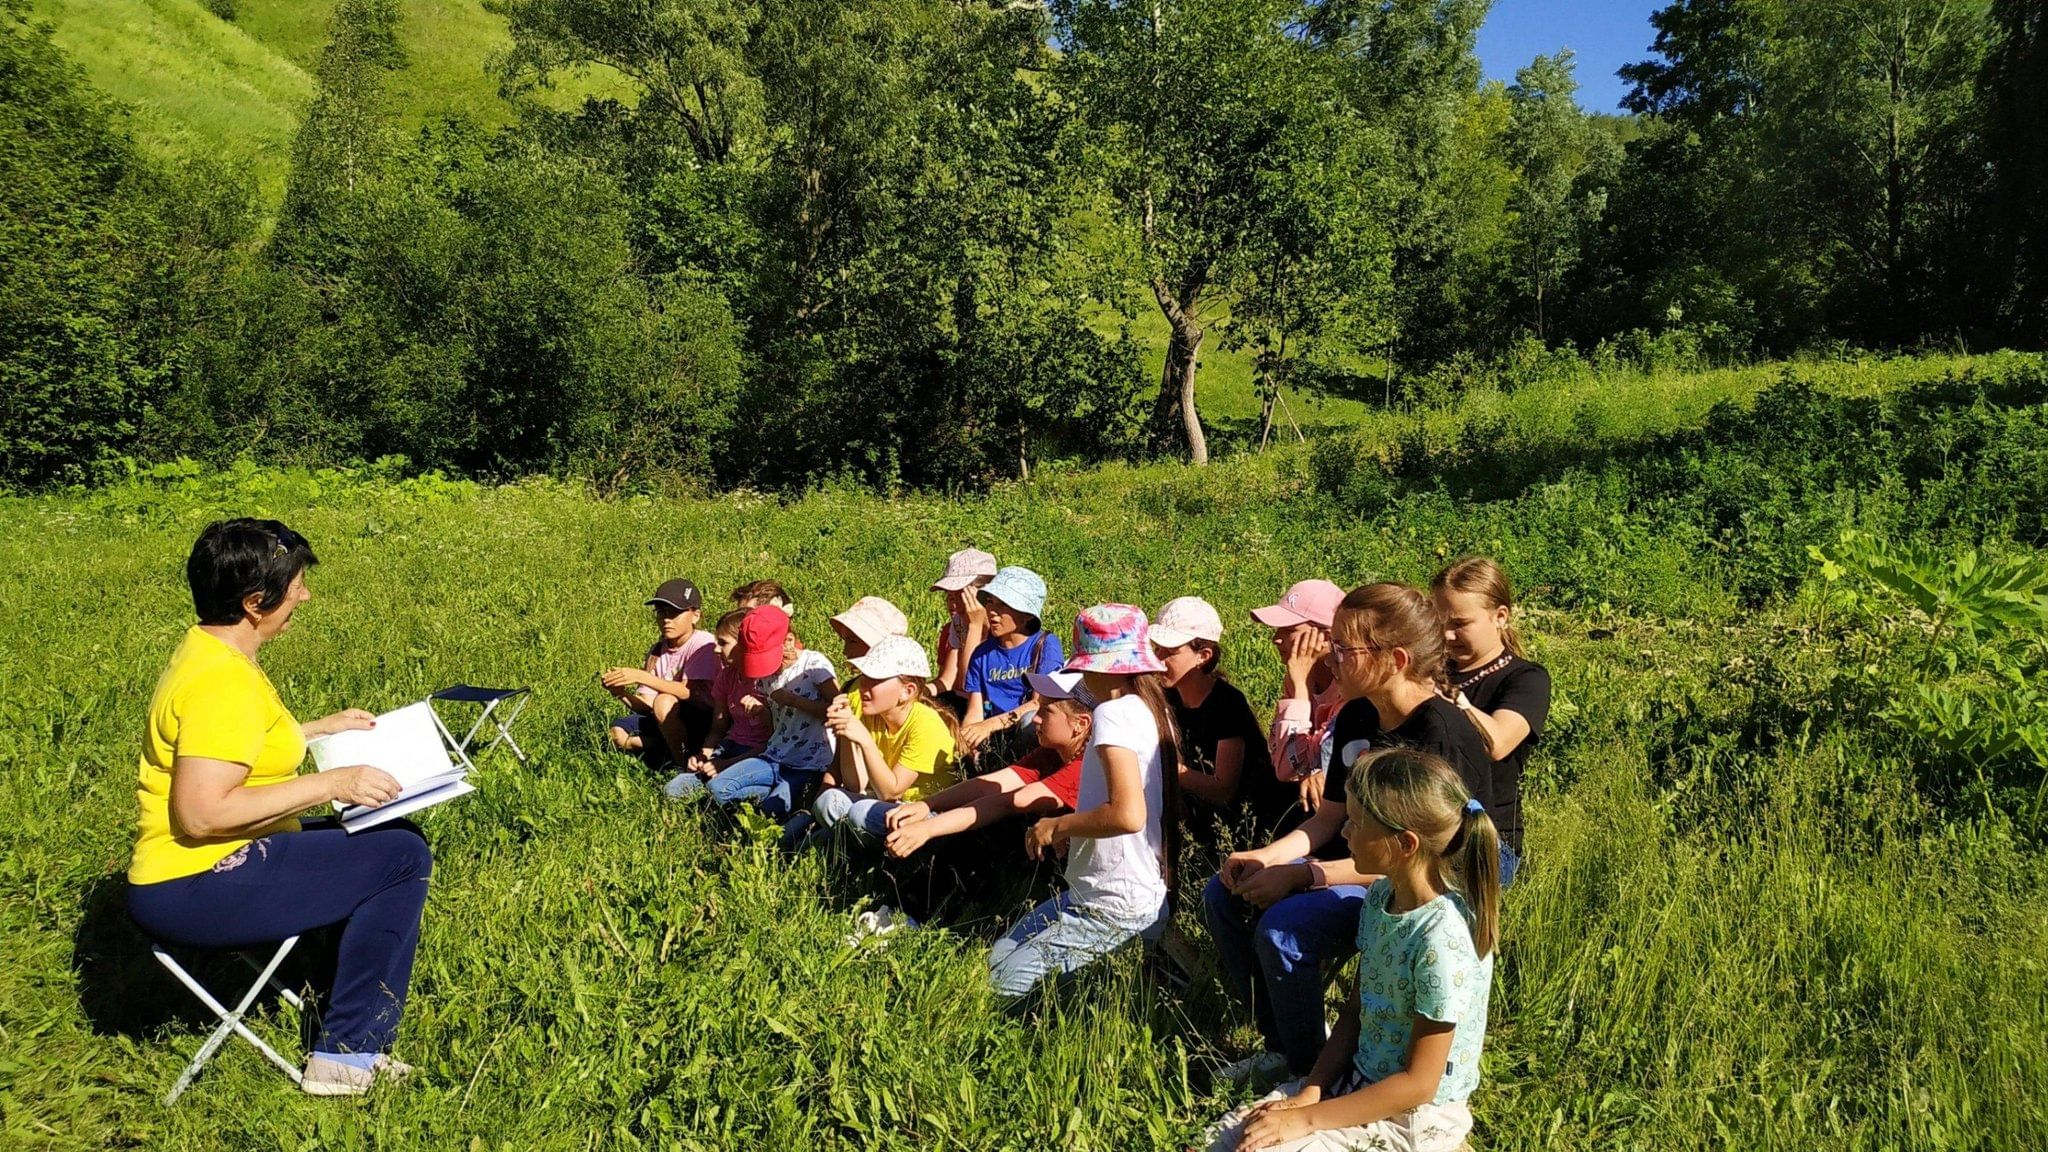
(1429, 1128)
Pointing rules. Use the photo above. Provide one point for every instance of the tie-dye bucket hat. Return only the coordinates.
(1112, 638)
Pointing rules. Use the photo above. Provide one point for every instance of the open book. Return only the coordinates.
(406, 743)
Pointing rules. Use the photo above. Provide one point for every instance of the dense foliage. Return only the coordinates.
(932, 243)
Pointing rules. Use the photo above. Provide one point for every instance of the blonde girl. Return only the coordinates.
(1404, 1058)
(1491, 679)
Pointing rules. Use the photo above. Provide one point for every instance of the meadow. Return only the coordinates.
(1760, 911)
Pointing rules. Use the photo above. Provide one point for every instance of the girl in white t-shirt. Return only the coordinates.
(1117, 837)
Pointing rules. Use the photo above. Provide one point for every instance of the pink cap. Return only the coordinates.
(1309, 601)
(871, 618)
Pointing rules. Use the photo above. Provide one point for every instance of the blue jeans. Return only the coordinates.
(761, 780)
(1274, 959)
(373, 883)
(1056, 939)
(863, 816)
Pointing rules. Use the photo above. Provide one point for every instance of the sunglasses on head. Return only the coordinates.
(287, 540)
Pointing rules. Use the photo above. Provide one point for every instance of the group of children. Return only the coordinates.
(1385, 791)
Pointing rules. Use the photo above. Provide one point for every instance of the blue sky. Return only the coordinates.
(1605, 33)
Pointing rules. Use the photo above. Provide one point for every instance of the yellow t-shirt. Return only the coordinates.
(215, 704)
(923, 746)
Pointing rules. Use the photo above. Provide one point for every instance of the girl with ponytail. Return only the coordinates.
(1120, 832)
(1491, 679)
(1404, 1058)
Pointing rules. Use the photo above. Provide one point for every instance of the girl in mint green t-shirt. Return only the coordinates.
(1404, 1057)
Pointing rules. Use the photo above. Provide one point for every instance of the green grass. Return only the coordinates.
(1739, 928)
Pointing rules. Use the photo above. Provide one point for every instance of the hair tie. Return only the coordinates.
(1474, 806)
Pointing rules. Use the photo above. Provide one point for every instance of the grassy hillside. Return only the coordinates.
(235, 89)
(198, 85)
(1755, 915)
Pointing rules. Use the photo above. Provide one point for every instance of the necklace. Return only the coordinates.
(1492, 666)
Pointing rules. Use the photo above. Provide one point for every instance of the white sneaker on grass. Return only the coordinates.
(879, 922)
(1261, 1072)
(326, 1077)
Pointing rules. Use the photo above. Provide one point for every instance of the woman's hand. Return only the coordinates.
(1311, 787)
(346, 720)
(361, 784)
(1043, 838)
(622, 679)
(1280, 1121)
(1306, 648)
(909, 813)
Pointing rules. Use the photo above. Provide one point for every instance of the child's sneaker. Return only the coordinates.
(879, 922)
(1261, 1072)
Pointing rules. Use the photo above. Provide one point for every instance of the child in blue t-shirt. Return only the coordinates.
(998, 698)
(1404, 1057)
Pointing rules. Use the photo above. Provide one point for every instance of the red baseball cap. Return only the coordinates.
(1309, 601)
(762, 635)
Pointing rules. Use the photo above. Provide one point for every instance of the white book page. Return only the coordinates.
(405, 743)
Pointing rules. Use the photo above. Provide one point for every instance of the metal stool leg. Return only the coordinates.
(230, 1021)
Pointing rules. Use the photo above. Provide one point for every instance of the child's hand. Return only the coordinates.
(1305, 648)
(617, 678)
(1239, 867)
(1042, 838)
(909, 813)
(1280, 1122)
(905, 839)
(1311, 787)
(973, 736)
(968, 603)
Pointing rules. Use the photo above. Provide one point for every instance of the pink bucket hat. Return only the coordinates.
(1112, 638)
(871, 618)
(1309, 601)
(963, 568)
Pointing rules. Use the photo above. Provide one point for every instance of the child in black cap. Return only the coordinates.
(670, 693)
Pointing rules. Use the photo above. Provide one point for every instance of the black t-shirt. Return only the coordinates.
(1520, 687)
(1436, 727)
(1225, 714)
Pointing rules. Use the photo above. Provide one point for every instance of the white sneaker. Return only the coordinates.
(879, 922)
(1261, 1071)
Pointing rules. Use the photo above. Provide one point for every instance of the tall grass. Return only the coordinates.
(1742, 924)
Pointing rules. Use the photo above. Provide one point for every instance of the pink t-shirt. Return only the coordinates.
(693, 659)
(742, 700)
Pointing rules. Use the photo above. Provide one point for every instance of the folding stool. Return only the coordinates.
(514, 700)
(231, 1020)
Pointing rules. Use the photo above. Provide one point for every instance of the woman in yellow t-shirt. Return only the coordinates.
(221, 859)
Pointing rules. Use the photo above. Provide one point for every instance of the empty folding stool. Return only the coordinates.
(501, 708)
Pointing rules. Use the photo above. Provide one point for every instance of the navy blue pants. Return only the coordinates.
(372, 883)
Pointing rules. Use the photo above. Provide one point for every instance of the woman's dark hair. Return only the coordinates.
(235, 559)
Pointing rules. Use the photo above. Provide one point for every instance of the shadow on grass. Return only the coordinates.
(123, 991)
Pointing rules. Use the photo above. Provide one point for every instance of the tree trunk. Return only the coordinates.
(1175, 422)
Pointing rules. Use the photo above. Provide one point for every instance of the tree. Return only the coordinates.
(1218, 129)
(1562, 162)
(99, 251)
(2015, 100)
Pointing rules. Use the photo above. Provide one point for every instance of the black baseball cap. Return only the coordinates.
(680, 595)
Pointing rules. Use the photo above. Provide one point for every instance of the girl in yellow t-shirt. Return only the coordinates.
(896, 745)
(221, 858)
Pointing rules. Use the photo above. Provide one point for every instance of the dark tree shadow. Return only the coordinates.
(123, 991)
